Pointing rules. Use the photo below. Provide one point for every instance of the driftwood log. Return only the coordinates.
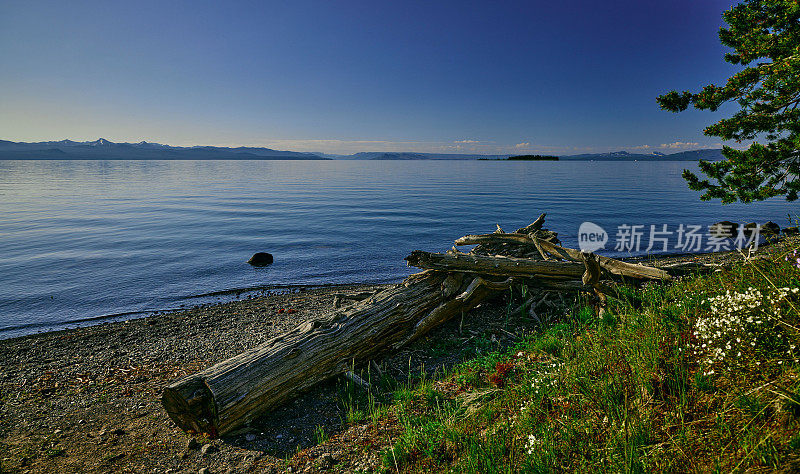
(233, 392)
(498, 265)
(616, 267)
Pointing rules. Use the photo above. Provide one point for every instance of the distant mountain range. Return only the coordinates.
(708, 154)
(103, 149)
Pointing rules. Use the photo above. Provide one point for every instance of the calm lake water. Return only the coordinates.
(82, 241)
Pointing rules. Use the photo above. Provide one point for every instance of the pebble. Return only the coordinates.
(208, 449)
(204, 470)
(250, 437)
(326, 460)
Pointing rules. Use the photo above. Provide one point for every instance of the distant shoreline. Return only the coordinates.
(523, 158)
(102, 149)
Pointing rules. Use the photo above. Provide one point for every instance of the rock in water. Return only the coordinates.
(260, 259)
(770, 228)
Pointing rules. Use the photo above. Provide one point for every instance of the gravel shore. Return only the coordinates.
(88, 399)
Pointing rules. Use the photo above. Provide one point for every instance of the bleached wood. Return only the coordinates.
(497, 265)
(233, 392)
(614, 266)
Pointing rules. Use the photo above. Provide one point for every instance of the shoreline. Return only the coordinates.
(234, 295)
(88, 399)
(255, 292)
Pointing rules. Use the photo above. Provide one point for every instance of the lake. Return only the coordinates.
(83, 242)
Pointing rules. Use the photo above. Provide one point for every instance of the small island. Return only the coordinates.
(532, 158)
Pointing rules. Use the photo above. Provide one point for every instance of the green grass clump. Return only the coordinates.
(687, 376)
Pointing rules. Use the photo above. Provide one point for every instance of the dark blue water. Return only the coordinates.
(92, 238)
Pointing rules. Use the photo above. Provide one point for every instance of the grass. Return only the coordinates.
(358, 404)
(638, 389)
(319, 434)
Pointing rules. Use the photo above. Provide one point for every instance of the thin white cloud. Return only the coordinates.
(467, 141)
(640, 147)
(522, 145)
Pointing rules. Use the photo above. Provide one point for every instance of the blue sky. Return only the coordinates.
(345, 76)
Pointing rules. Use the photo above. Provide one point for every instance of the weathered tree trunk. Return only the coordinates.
(617, 267)
(497, 265)
(233, 392)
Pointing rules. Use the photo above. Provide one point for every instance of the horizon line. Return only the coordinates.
(666, 149)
